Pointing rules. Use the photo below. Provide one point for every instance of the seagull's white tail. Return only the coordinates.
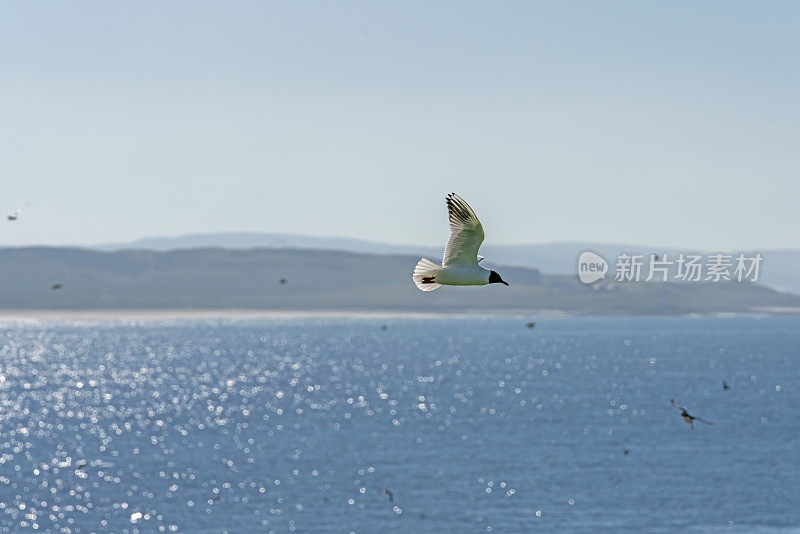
(425, 275)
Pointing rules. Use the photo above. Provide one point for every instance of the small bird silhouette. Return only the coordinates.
(282, 281)
(725, 385)
(626, 452)
(530, 325)
(56, 286)
(390, 494)
(14, 215)
(687, 416)
(384, 327)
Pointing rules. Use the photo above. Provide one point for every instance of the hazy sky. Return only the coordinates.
(668, 123)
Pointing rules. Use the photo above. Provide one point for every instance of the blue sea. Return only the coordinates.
(433, 424)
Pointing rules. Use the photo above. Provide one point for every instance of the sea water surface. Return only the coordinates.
(433, 424)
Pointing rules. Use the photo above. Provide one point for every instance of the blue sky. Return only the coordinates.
(670, 124)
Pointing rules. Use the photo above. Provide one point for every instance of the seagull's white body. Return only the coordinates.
(454, 275)
(460, 264)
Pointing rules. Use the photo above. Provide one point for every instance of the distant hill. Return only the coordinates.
(780, 268)
(213, 278)
(247, 240)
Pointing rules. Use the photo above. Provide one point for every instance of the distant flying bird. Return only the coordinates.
(725, 385)
(56, 286)
(384, 327)
(460, 264)
(14, 215)
(530, 325)
(687, 417)
(626, 452)
(282, 281)
(390, 494)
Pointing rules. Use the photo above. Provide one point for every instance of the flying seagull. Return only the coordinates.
(725, 385)
(460, 265)
(14, 215)
(687, 417)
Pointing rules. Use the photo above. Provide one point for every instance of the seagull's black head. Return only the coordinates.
(494, 278)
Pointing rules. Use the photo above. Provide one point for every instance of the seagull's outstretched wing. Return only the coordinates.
(678, 406)
(466, 233)
(703, 420)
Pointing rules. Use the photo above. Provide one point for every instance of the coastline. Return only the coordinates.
(238, 313)
(248, 314)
